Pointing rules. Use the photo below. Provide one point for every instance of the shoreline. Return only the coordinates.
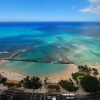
(66, 74)
(11, 75)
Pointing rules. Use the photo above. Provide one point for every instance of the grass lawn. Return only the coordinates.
(76, 75)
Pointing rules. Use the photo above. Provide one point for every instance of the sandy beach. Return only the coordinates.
(63, 75)
(10, 75)
(2, 61)
(51, 78)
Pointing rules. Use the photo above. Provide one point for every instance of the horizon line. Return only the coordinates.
(44, 21)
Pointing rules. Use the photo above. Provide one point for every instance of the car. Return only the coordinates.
(67, 98)
(65, 94)
(59, 97)
(72, 97)
(72, 94)
(53, 98)
(49, 97)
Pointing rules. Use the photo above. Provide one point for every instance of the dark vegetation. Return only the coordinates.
(33, 83)
(90, 83)
(2, 79)
(84, 69)
(68, 85)
(76, 75)
(54, 87)
(95, 71)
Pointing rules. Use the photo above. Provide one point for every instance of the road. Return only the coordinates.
(37, 96)
(94, 96)
(26, 96)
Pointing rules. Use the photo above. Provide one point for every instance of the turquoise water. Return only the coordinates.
(50, 44)
(37, 69)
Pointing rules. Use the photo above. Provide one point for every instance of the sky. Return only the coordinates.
(49, 10)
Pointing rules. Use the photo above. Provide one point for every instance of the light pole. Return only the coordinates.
(33, 88)
(32, 93)
(44, 96)
(45, 92)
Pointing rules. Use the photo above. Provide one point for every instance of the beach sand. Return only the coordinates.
(10, 75)
(3, 61)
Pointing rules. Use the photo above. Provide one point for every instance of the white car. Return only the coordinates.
(53, 98)
(65, 94)
(68, 98)
(72, 97)
(72, 94)
(49, 97)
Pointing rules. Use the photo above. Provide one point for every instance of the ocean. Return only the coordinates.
(52, 45)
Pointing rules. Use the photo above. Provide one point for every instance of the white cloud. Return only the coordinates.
(95, 1)
(93, 8)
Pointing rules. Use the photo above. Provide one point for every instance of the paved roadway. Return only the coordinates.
(26, 96)
(95, 96)
(37, 96)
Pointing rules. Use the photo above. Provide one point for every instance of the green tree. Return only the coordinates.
(95, 71)
(18, 86)
(45, 81)
(90, 83)
(34, 82)
(56, 87)
(68, 85)
(3, 80)
(85, 69)
(0, 76)
(10, 85)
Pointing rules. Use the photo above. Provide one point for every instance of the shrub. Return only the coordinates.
(90, 83)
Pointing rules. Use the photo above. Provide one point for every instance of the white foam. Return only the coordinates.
(60, 59)
(21, 50)
(52, 62)
(55, 61)
(4, 52)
